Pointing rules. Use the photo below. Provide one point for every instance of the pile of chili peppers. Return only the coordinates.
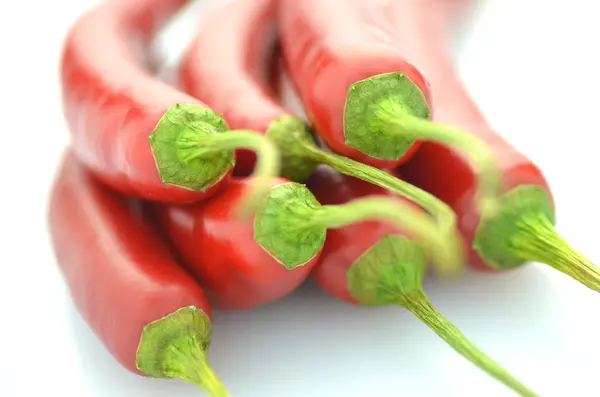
(177, 197)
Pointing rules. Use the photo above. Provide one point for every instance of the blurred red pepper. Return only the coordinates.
(244, 55)
(521, 228)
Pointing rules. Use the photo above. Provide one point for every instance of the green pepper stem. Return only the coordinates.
(441, 212)
(538, 241)
(301, 154)
(420, 306)
(473, 148)
(400, 214)
(175, 346)
(391, 272)
(203, 376)
(267, 164)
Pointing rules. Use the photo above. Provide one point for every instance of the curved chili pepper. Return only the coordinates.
(523, 228)
(131, 129)
(373, 263)
(245, 99)
(365, 100)
(245, 263)
(150, 314)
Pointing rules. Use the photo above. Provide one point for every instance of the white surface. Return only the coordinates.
(533, 67)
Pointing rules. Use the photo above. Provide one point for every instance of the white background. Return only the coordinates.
(532, 65)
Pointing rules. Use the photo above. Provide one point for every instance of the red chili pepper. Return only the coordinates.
(245, 263)
(221, 251)
(522, 229)
(246, 101)
(365, 100)
(243, 56)
(373, 263)
(131, 129)
(150, 314)
(332, 51)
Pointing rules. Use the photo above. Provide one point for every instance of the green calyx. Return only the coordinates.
(391, 272)
(292, 136)
(183, 150)
(370, 103)
(175, 346)
(498, 237)
(386, 114)
(522, 229)
(291, 224)
(300, 155)
(388, 272)
(282, 225)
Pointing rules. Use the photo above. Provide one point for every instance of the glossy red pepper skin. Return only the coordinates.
(222, 254)
(345, 245)
(119, 271)
(434, 167)
(330, 45)
(112, 102)
(244, 97)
